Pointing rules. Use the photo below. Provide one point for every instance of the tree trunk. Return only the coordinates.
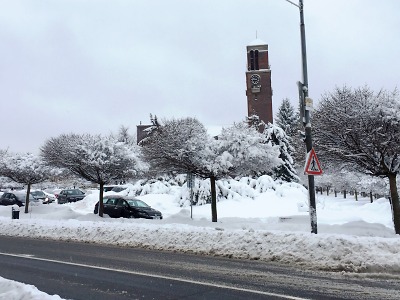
(101, 204)
(327, 190)
(395, 202)
(370, 197)
(355, 194)
(335, 193)
(344, 194)
(213, 200)
(28, 191)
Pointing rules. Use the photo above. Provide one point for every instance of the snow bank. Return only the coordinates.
(13, 290)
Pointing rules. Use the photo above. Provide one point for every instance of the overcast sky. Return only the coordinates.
(91, 66)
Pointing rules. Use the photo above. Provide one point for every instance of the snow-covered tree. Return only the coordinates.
(252, 153)
(360, 129)
(287, 118)
(98, 159)
(124, 136)
(183, 145)
(179, 145)
(254, 121)
(373, 185)
(346, 181)
(326, 181)
(277, 136)
(173, 145)
(24, 168)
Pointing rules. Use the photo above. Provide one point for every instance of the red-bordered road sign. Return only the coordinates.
(312, 166)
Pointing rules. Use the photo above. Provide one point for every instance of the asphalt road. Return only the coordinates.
(90, 271)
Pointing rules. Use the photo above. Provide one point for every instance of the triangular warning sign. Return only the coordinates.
(312, 166)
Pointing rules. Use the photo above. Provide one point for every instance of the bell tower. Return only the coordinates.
(258, 82)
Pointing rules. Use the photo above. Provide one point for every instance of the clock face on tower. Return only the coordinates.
(255, 79)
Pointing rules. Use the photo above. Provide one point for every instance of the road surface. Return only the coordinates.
(92, 271)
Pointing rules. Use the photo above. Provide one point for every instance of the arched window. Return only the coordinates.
(254, 60)
(251, 59)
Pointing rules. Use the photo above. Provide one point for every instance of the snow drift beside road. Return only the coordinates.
(13, 290)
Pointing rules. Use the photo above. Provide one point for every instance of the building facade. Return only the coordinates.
(258, 82)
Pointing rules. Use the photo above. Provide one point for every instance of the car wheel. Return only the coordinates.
(132, 217)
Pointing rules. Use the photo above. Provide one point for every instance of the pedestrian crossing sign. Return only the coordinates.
(312, 166)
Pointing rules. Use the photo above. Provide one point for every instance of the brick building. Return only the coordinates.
(258, 82)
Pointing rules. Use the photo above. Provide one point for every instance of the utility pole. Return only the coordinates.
(305, 114)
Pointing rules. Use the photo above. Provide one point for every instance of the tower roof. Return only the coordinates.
(257, 42)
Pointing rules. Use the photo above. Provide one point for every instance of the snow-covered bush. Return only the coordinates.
(152, 186)
(227, 189)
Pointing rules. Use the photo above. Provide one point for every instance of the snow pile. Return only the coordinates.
(13, 290)
(332, 252)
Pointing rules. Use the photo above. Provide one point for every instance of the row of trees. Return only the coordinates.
(173, 146)
(354, 129)
(353, 182)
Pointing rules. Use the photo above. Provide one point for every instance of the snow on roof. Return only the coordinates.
(257, 42)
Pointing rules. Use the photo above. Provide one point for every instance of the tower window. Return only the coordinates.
(254, 60)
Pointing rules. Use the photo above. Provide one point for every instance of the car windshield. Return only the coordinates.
(74, 192)
(137, 203)
(118, 189)
(108, 188)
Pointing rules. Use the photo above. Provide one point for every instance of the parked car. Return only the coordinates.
(42, 196)
(16, 197)
(114, 188)
(127, 207)
(108, 188)
(118, 188)
(70, 195)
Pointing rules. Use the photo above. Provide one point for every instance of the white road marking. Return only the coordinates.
(27, 256)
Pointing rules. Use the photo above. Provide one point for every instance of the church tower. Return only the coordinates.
(258, 82)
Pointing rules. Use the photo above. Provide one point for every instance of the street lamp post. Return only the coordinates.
(305, 113)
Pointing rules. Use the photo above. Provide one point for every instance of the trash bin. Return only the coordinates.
(14, 213)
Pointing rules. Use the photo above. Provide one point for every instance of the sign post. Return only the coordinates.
(306, 107)
(190, 182)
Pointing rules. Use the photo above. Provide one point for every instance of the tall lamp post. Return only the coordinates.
(305, 114)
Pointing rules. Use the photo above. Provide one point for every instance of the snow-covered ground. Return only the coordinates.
(353, 236)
